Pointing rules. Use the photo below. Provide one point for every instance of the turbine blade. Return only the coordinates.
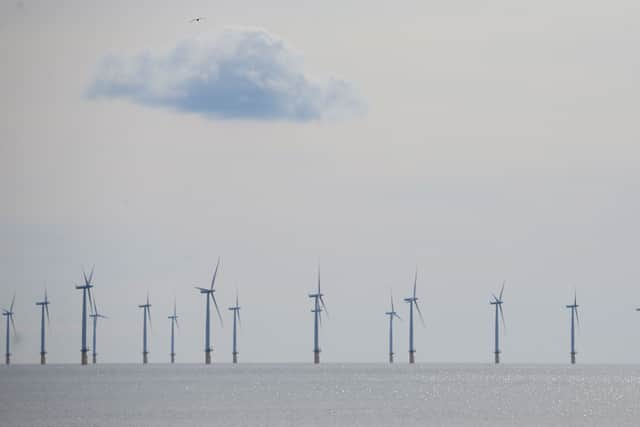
(13, 300)
(502, 290)
(318, 278)
(176, 320)
(415, 282)
(238, 311)
(148, 310)
(392, 310)
(215, 273)
(91, 274)
(577, 317)
(504, 325)
(419, 312)
(13, 324)
(84, 276)
(46, 308)
(213, 298)
(324, 306)
(399, 318)
(91, 307)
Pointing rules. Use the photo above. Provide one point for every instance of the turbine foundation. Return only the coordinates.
(316, 357)
(7, 359)
(390, 357)
(83, 357)
(235, 357)
(173, 358)
(43, 358)
(94, 358)
(145, 358)
(497, 357)
(412, 356)
(207, 357)
(573, 358)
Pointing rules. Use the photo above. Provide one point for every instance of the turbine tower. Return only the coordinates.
(145, 314)
(236, 316)
(86, 290)
(574, 319)
(95, 315)
(209, 295)
(413, 301)
(9, 315)
(174, 324)
(317, 319)
(44, 306)
(391, 315)
(497, 301)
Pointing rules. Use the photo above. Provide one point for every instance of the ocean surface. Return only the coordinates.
(324, 395)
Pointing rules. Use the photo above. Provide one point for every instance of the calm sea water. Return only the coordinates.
(325, 395)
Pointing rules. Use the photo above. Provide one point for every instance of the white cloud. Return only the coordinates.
(238, 74)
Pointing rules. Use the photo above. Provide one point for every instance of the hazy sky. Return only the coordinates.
(478, 141)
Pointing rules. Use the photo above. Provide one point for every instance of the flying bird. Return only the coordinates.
(197, 19)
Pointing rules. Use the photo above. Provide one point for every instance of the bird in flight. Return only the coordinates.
(197, 19)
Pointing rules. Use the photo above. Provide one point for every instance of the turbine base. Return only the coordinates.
(412, 356)
(390, 357)
(43, 359)
(573, 358)
(83, 357)
(316, 357)
(94, 358)
(173, 358)
(497, 357)
(207, 357)
(145, 358)
(235, 357)
(7, 360)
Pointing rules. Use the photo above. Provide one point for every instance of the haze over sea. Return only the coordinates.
(324, 395)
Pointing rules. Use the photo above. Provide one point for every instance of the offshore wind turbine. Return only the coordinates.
(174, 323)
(497, 301)
(146, 313)
(44, 306)
(574, 319)
(95, 315)
(209, 295)
(317, 319)
(9, 315)
(391, 315)
(413, 301)
(236, 316)
(86, 291)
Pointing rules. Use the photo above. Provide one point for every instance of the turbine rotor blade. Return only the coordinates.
(415, 283)
(91, 274)
(213, 298)
(215, 273)
(324, 306)
(46, 308)
(148, 310)
(577, 317)
(238, 311)
(13, 324)
(502, 290)
(91, 307)
(13, 300)
(419, 312)
(504, 325)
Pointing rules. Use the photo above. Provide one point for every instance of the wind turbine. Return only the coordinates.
(9, 315)
(317, 319)
(44, 306)
(86, 290)
(497, 301)
(174, 323)
(574, 315)
(391, 315)
(209, 295)
(146, 313)
(95, 315)
(413, 301)
(236, 316)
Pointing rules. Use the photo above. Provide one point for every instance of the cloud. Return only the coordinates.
(238, 74)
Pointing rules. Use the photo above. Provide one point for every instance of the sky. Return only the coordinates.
(475, 141)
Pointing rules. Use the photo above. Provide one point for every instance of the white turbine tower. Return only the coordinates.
(209, 295)
(497, 301)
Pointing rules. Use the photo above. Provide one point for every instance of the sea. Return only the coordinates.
(319, 395)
